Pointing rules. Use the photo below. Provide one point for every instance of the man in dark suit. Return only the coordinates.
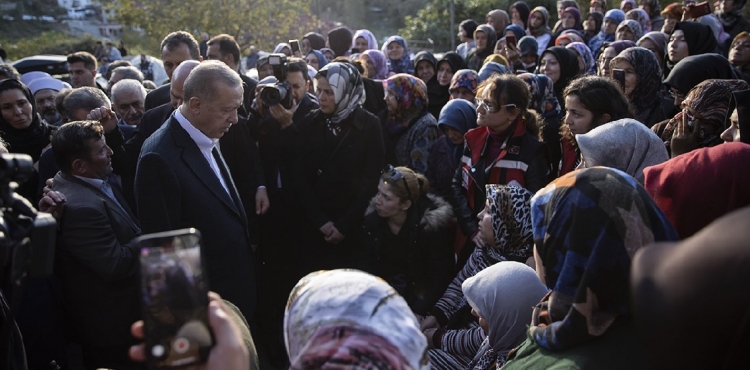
(96, 258)
(176, 48)
(182, 181)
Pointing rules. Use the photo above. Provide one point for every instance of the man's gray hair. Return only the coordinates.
(87, 98)
(203, 80)
(127, 85)
(129, 73)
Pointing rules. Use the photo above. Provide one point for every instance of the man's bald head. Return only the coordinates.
(179, 76)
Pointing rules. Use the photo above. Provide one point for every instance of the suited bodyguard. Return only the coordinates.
(96, 258)
(183, 181)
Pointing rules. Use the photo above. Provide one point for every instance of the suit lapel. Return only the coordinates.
(121, 211)
(198, 164)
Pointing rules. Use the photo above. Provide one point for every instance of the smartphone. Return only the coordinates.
(294, 44)
(700, 9)
(355, 51)
(511, 40)
(619, 76)
(174, 295)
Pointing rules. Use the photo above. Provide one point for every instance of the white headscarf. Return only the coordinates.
(348, 90)
(348, 317)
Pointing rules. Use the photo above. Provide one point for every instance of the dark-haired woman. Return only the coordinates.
(504, 149)
(519, 13)
(406, 238)
(589, 102)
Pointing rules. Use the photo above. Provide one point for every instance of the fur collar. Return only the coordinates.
(438, 213)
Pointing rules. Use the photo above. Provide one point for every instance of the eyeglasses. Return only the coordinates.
(395, 175)
(487, 105)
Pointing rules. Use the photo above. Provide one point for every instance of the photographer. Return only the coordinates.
(279, 227)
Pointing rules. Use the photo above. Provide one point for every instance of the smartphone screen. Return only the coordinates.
(619, 76)
(511, 40)
(355, 51)
(295, 48)
(174, 297)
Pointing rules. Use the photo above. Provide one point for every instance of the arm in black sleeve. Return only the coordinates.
(460, 202)
(540, 170)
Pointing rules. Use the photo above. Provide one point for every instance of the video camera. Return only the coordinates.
(281, 91)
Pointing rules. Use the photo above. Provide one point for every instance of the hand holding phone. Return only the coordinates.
(698, 10)
(511, 40)
(294, 44)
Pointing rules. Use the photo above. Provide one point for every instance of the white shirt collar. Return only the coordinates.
(204, 142)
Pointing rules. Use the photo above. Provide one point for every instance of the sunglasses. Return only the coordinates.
(395, 175)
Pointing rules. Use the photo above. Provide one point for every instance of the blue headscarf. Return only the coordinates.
(461, 115)
(402, 65)
(322, 60)
(516, 29)
(490, 68)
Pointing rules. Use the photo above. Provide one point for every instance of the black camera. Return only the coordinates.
(280, 92)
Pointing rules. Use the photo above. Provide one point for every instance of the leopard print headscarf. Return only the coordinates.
(510, 208)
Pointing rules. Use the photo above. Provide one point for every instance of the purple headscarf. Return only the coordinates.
(378, 59)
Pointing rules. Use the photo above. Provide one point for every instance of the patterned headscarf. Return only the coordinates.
(380, 62)
(544, 28)
(648, 70)
(348, 90)
(372, 42)
(351, 319)
(465, 78)
(402, 65)
(660, 40)
(410, 93)
(588, 224)
(578, 26)
(634, 27)
(639, 15)
(543, 99)
(511, 221)
(711, 100)
(589, 65)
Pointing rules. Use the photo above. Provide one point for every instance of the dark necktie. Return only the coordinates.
(227, 179)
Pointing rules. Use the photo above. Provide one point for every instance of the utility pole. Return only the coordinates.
(453, 24)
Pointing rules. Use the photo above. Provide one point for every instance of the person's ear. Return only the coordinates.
(604, 119)
(78, 166)
(406, 204)
(194, 104)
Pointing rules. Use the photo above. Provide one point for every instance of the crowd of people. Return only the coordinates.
(541, 197)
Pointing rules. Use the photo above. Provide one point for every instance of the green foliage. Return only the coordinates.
(51, 42)
(260, 22)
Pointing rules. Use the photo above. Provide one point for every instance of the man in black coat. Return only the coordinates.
(182, 181)
(176, 48)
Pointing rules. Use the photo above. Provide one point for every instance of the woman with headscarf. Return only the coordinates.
(544, 102)
(348, 318)
(539, 28)
(739, 55)
(586, 62)
(339, 157)
(316, 59)
(23, 130)
(611, 50)
(410, 130)
(627, 5)
(312, 41)
(696, 281)
(491, 68)
(376, 64)
(498, 19)
(653, 10)
(561, 6)
(484, 39)
(689, 38)
(628, 30)
(695, 69)
(364, 40)
(406, 238)
(456, 118)
(656, 42)
(584, 244)
(626, 145)
(716, 171)
(425, 66)
(519, 14)
(283, 48)
(500, 297)
(643, 85)
(639, 15)
(561, 66)
(438, 91)
(397, 52)
(730, 15)
(570, 20)
(464, 85)
(612, 19)
(568, 37)
(328, 53)
(592, 25)
(453, 334)
(704, 116)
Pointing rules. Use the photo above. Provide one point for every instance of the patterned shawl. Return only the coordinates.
(647, 68)
(634, 27)
(348, 90)
(543, 99)
(511, 221)
(411, 94)
(589, 65)
(639, 15)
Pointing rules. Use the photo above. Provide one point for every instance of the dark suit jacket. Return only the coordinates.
(157, 97)
(97, 263)
(175, 188)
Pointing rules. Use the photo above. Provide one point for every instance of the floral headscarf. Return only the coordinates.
(402, 65)
(648, 70)
(380, 62)
(639, 15)
(543, 99)
(634, 27)
(544, 28)
(372, 42)
(588, 224)
(578, 26)
(465, 78)
(351, 319)
(348, 90)
(511, 221)
(410, 93)
(589, 65)
(711, 100)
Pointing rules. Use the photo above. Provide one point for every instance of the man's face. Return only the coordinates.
(81, 76)
(99, 163)
(298, 83)
(45, 104)
(176, 92)
(173, 58)
(214, 53)
(216, 115)
(129, 106)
